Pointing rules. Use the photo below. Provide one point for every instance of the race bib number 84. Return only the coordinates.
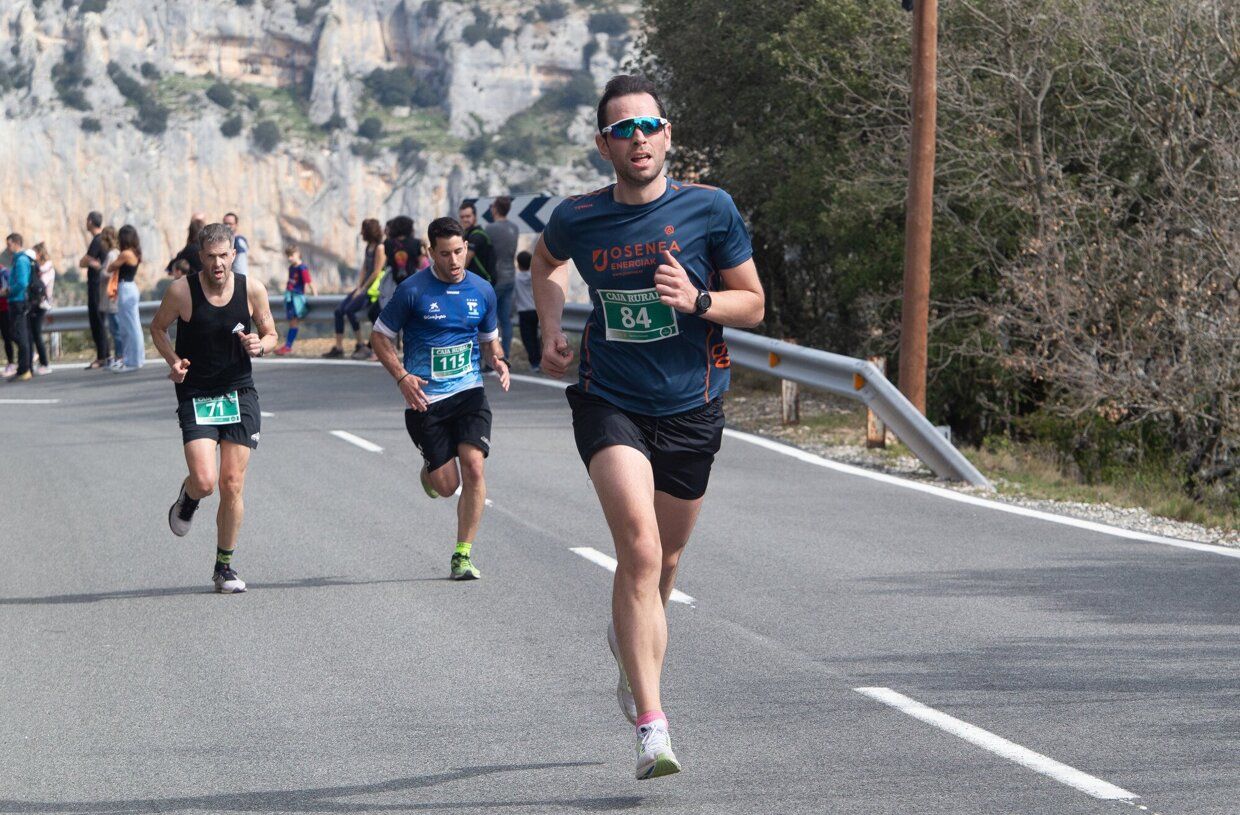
(637, 316)
(451, 361)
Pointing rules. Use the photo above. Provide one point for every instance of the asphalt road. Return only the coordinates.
(354, 677)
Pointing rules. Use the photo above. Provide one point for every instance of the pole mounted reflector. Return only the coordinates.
(774, 359)
(858, 382)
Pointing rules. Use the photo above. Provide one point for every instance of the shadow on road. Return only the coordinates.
(175, 591)
(320, 799)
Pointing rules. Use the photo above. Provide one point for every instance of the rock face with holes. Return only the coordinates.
(149, 112)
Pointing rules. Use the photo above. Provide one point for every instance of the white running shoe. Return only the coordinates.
(181, 513)
(227, 582)
(624, 693)
(654, 751)
(43, 370)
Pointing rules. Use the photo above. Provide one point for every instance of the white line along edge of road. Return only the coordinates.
(29, 401)
(1000, 746)
(609, 563)
(368, 446)
(929, 489)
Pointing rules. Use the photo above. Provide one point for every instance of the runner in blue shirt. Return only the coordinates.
(448, 319)
(668, 265)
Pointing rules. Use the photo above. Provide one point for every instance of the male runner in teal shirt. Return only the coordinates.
(668, 265)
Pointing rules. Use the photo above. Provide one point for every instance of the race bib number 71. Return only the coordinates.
(217, 410)
(637, 316)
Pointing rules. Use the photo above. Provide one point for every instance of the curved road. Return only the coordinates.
(852, 645)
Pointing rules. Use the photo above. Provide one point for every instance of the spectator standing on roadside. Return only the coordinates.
(295, 296)
(6, 326)
(358, 298)
(481, 256)
(126, 268)
(190, 252)
(527, 315)
(109, 287)
(93, 263)
(504, 234)
(241, 261)
(19, 281)
(47, 280)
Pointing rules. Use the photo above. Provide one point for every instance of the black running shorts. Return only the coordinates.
(462, 418)
(243, 432)
(681, 448)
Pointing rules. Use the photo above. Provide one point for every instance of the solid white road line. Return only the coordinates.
(266, 415)
(963, 498)
(1000, 746)
(929, 489)
(609, 563)
(29, 401)
(358, 440)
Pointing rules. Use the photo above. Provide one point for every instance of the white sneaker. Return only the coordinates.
(624, 693)
(227, 582)
(181, 513)
(654, 751)
(10, 369)
(43, 370)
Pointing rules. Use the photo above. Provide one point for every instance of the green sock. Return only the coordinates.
(223, 557)
(463, 547)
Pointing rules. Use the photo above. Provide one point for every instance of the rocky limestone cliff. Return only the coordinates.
(500, 103)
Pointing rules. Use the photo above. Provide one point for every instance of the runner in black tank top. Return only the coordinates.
(217, 405)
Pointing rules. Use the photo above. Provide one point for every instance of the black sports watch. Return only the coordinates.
(702, 305)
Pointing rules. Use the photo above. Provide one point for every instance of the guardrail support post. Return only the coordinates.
(875, 428)
(789, 397)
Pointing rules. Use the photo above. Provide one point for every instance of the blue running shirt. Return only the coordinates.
(637, 353)
(443, 324)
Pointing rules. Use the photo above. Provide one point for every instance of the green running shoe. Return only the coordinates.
(426, 484)
(463, 568)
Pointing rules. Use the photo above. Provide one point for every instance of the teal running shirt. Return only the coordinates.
(637, 353)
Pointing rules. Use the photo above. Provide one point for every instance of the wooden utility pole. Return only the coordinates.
(915, 313)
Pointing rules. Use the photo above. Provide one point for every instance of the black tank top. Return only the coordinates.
(128, 273)
(217, 362)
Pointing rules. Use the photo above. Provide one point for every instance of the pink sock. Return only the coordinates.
(651, 716)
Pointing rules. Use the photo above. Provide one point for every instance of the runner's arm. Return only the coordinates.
(742, 303)
(260, 311)
(493, 354)
(549, 280)
(175, 304)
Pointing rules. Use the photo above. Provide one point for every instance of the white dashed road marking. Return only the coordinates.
(1000, 746)
(609, 563)
(368, 446)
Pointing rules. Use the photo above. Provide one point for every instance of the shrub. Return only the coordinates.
(91, 125)
(253, 102)
(336, 122)
(92, 6)
(431, 9)
(152, 117)
(391, 87)
(408, 148)
(266, 135)
(130, 88)
(67, 77)
(612, 23)
(365, 149)
(552, 10)
(222, 95)
(587, 53)
(149, 71)
(484, 28)
(578, 91)
(231, 126)
(371, 128)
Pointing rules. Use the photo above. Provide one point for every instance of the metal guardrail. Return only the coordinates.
(848, 377)
(851, 378)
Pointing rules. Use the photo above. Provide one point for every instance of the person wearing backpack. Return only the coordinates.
(39, 296)
(19, 284)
